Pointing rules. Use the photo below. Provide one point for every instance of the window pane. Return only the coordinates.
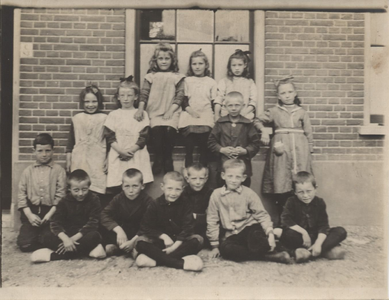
(146, 52)
(222, 53)
(195, 25)
(184, 52)
(232, 25)
(157, 24)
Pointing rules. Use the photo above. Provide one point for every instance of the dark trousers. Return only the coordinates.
(163, 139)
(86, 244)
(221, 182)
(110, 236)
(280, 200)
(30, 237)
(200, 140)
(153, 249)
(293, 239)
(235, 247)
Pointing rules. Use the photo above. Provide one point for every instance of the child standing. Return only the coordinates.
(74, 225)
(234, 136)
(249, 230)
(238, 80)
(86, 148)
(162, 95)
(41, 187)
(167, 227)
(305, 223)
(127, 136)
(198, 194)
(291, 145)
(197, 120)
(122, 216)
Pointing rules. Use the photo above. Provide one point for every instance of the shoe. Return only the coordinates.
(302, 255)
(144, 261)
(41, 255)
(98, 252)
(193, 263)
(335, 253)
(255, 241)
(111, 250)
(281, 257)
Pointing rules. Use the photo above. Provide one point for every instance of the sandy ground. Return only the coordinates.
(363, 267)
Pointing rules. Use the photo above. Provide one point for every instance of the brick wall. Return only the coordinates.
(325, 53)
(71, 48)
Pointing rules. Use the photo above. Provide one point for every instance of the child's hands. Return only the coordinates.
(229, 152)
(271, 241)
(128, 246)
(315, 249)
(45, 219)
(215, 253)
(34, 220)
(265, 138)
(121, 237)
(168, 115)
(240, 151)
(132, 149)
(125, 155)
(68, 245)
(306, 240)
(166, 240)
(139, 115)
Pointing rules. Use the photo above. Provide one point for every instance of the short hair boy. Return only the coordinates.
(75, 224)
(168, 228)
(249, 230)
(198, 193)
(234, 136)
(41, 186)
(122, 216)
(305, 223)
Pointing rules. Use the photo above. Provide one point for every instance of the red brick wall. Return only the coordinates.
(325, 53)
(71, 48)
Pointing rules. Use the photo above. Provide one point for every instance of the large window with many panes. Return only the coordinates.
(218, 33)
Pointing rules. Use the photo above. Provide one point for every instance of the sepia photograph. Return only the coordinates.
(194, 149)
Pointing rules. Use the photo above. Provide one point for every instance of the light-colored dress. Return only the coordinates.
(161, 98)
(90, 151)
(245, 86)
(127, 130)
(292, 129)
(200, 91)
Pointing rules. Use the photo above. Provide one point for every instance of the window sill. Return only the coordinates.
(372, 130)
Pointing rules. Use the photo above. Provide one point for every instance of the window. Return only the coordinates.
(217, 33)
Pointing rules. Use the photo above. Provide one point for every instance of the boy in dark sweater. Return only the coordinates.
(168, 230)
(122, 216)
(305, 223)
(74, 224)
(198, 194)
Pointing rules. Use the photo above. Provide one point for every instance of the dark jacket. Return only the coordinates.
(243, 134)
(199, 202)
(124, 212)
(74, 216)
(172, 218)
(312, 217)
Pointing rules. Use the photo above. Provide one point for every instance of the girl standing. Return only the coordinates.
(291, 147)
(127, 136)
(196, 120)
(86, 148)
(237, 80)
(162, 95)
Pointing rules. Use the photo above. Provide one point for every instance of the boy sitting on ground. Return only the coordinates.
(249, 230)
(122, 216)
(305, 223)
(198, 194)
(41, 187)
(168, 230)
(74, 225)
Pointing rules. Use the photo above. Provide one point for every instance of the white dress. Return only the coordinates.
(90, 151)
(127, 130)
(200, 91)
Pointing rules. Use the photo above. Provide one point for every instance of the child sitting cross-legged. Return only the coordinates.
(305, 223)
(249, 230)
(74, 225)
(122, 216)
(198, 194)
(167, 230)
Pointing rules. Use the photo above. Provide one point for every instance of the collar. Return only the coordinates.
(164, 202)
(291, 111)
(224, 190)
(226, 119)
(50, 164)
(69, 197)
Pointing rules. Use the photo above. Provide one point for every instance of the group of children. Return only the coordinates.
(110, 153)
